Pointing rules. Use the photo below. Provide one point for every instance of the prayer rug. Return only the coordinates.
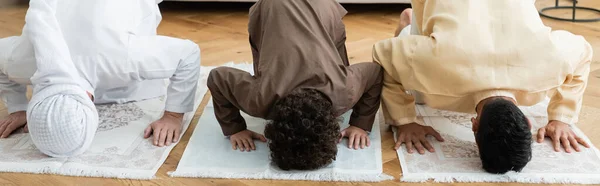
(118, 150)
(209, 155)
(457, 159)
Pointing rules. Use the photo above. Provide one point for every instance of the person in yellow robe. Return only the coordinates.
(484, 57)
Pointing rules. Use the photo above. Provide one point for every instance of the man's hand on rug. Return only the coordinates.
(356, 137)
(414, 136)
(244, 140)
(561, 133)
(11, 123)
(166, 130)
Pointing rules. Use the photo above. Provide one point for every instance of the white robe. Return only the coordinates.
(106, 47)
(115, 49)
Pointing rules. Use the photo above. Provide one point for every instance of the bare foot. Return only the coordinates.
(405, 20)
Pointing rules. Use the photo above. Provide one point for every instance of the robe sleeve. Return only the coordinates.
(13, 94)
(53, 59)
(365, 110)
(393, 54)
(566, 100)
(231, 91)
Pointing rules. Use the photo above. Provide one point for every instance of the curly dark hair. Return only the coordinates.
(503, 137)
(303, 132)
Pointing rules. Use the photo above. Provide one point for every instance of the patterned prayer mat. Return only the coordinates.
(118, 150)
(457, 159)
(209, 155)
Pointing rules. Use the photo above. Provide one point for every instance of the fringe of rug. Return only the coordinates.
(508, 177)
(84, 172)
(107, 173)
(284, 176)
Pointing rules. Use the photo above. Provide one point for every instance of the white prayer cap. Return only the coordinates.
(62, 120)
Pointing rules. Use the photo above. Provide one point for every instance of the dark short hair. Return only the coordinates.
(503, 137)
(303, 132)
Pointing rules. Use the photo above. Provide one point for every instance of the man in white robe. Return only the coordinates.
(79, 52)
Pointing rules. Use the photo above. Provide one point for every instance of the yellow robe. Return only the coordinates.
(470, 50)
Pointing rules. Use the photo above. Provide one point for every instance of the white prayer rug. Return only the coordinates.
(119, 149)
(457, 159)
(209, 155)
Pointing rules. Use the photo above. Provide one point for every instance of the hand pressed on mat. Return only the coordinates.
(561, 133)
(244, 140)
(356, 137)
(166, 130)
(13, 122)
(414, 135)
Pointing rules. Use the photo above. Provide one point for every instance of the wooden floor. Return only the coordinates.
(221, 31)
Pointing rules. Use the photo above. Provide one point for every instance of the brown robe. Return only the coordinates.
(296, 44)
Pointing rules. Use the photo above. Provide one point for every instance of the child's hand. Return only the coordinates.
(244, 140)
(356, 136)
(166, 130)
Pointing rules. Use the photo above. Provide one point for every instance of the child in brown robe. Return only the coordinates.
(302, 83)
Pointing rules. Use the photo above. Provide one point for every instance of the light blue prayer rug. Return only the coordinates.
(209, 155)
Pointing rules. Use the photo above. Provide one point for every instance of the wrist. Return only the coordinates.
(18, 112)
(173, 115)
(404, 121)
(408, 125)
(398, 124)
(557, 122)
